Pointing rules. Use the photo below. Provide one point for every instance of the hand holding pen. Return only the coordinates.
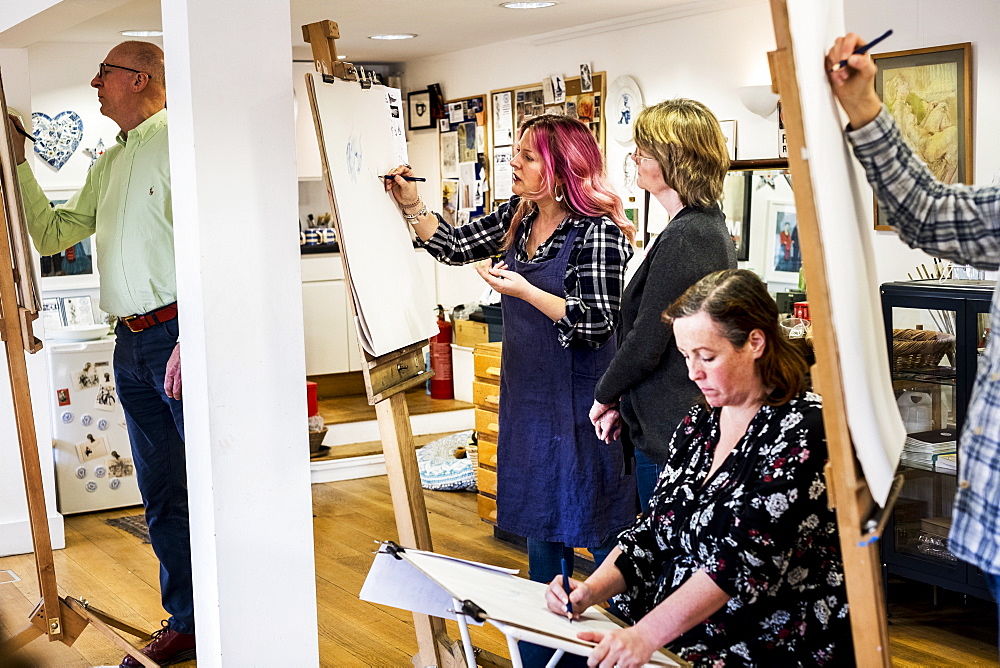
(401, 183)
(14, 123)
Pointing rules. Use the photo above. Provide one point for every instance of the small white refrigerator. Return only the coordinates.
(93, 457)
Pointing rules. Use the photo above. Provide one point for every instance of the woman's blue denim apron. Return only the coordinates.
(556, 481)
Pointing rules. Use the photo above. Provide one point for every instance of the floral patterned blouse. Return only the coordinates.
(760, 528)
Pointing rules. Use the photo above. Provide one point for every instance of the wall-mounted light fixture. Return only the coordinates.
(758, 99)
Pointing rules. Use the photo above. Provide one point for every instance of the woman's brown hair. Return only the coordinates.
(737, 301)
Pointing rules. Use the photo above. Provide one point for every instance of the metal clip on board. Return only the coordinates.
(875, 525)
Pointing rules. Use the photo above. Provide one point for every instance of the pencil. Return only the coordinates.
(405, 178)
(862, 50)
(565, 574)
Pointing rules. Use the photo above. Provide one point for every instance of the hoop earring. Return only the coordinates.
(559, 192)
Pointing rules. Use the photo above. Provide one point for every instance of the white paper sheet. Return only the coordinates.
(842, 198)
(503, 174)
(503, 120)
(395, 308)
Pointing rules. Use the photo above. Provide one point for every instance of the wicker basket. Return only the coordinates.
(919, 348)
(316, 440)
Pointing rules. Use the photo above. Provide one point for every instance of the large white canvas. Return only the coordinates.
(842, 198)
(394, 306)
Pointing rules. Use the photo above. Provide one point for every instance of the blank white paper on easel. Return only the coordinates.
(842, 199)
(393, 304)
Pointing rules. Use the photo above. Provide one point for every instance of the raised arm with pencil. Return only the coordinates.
(957, 222)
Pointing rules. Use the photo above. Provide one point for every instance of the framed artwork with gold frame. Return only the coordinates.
(929, 94)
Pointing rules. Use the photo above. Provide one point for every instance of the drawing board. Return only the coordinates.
(361, 138)
(842, 197)
(428, 583)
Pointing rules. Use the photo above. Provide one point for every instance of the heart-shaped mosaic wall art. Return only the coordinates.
(57, 138)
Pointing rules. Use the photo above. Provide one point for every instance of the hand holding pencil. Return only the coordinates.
(851, 73)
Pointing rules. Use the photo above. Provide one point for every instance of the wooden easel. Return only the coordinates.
(387, 378)
(846, 486)
(59, 618)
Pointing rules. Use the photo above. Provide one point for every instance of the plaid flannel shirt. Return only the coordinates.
(595, 274)
(960, 223)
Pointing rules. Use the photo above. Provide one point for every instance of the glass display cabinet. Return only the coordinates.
(936, 331)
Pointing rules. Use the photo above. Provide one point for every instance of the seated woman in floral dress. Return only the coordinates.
(738, 561)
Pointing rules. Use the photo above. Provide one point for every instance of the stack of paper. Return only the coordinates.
(923, 448)
(946, 463)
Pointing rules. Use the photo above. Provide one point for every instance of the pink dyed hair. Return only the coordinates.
(569, 151)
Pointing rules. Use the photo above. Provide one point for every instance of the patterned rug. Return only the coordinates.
(134, 524)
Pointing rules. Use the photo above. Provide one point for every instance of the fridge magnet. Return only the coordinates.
(62, 396)
(106, 398)
(586, 78)
(56, 139)
(121, 467)
(87, 377)
(92, 448)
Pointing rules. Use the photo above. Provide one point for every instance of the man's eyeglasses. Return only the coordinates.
(637, 157)
(103, 68)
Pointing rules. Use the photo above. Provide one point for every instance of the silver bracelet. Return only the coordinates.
(412, 217)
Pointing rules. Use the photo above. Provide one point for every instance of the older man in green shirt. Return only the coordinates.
(125, 201)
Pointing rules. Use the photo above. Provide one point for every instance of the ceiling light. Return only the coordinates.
(400, 35)
(142, 33)
(341, 57)
(527, 5)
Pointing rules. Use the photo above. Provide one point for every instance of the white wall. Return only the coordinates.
(707, 57)
(15, 533)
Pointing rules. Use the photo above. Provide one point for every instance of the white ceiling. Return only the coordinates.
(441, 25)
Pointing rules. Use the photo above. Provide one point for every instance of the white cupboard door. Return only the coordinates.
(325, 313)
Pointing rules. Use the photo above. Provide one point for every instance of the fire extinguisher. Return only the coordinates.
(442, 385)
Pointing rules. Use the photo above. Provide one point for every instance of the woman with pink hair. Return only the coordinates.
(563, 243)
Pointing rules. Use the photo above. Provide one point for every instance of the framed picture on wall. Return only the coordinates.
(75, 267)
(736, 197)
(784, 252)
(929, 94)
(729, 132)
(418, 106)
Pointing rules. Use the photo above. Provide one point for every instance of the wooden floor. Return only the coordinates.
(355, 407)
(118, 573)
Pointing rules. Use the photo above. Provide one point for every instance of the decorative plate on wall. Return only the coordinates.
(57, 138)
(625, 103)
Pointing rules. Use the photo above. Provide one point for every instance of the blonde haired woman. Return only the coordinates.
(681, 158)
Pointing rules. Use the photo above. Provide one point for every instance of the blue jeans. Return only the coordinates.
(544, 563)
(993, 584)
(156, 429)
(646, 475)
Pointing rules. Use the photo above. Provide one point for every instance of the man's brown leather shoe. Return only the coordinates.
(166, 648)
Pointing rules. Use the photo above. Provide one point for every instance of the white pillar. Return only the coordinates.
(232, 164)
